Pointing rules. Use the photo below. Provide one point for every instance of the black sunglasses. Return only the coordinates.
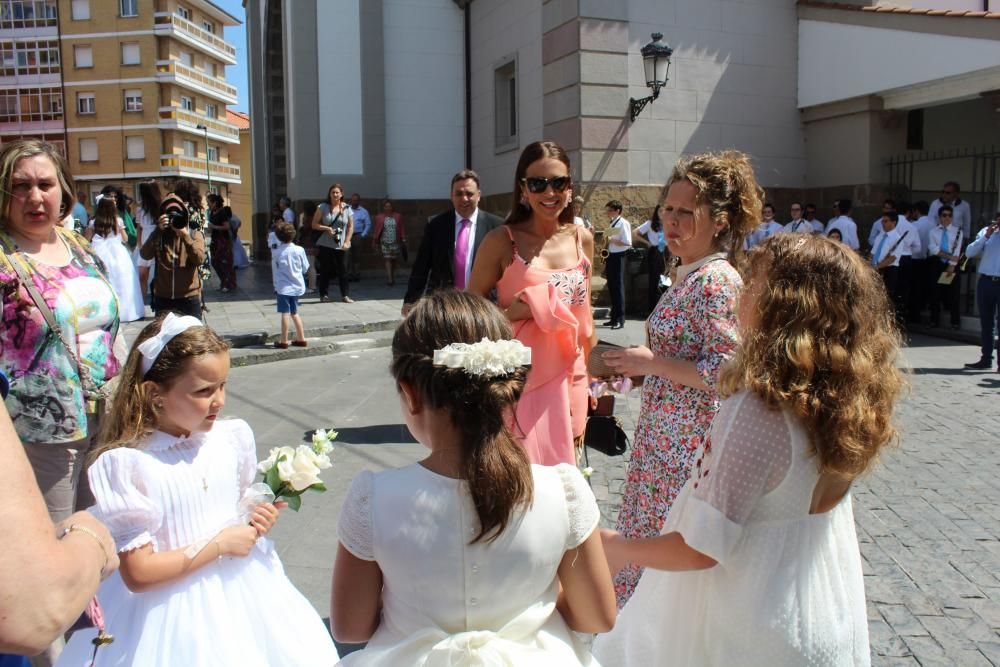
(537, 185)
(945, 215)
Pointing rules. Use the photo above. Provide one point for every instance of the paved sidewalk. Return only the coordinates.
(252, 308)
(928, 517)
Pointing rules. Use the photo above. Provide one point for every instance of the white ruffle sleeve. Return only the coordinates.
(355, 525)
(121, 505)
(746, 456)
(580, 504)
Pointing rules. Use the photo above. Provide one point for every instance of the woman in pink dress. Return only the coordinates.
(539, 262)
(712, 201)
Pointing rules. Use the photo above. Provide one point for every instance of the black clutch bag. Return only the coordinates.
(606, 435)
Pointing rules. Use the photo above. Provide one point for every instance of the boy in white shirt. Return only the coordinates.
(288, 264)
(886, 254)
(944, 246)
(764, 230)
(844, 224)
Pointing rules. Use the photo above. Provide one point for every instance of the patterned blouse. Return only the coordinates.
(46, 401)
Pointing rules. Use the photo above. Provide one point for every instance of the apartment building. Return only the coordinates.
(131, 89)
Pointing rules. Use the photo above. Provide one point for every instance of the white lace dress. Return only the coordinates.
(787, 589)
(446, 602)
(172, 493)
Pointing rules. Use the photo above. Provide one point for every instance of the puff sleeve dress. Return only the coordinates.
(171, 493)
(448, 602)
(787, 588)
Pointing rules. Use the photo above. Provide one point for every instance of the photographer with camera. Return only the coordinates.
(177, 246)
(333, 226)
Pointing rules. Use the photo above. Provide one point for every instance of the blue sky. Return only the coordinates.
(237, 74)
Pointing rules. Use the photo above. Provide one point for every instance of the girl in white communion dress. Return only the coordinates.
(758, 561)
(199, 586)
(472, 556)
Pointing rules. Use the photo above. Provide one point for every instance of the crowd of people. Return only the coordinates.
(771, 376)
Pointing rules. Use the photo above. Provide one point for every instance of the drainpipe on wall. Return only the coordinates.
(464, 6)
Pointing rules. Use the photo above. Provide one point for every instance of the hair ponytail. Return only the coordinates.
(494, 464)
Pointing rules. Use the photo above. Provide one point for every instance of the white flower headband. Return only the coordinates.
(487, 358)
(172, 325)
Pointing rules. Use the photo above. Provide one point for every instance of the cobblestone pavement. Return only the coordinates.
(928, 517)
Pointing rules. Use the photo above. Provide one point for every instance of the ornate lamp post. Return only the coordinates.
(656, 64)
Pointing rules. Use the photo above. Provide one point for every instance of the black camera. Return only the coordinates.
(177, 213)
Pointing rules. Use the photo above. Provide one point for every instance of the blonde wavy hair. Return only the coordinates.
(132, 415)
(726, 184)
(823, 342)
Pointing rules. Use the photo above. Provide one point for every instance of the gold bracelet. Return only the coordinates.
(218, 549)
(87, 531)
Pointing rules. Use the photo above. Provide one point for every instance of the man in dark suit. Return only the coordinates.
(437, 264)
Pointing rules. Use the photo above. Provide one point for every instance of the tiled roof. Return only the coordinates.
(892, 9)
(238, 118)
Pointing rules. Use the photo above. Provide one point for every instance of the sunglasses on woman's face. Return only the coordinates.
(537, 185)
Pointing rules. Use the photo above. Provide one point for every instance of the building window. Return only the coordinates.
(133, 99)
(135, 148)
(83, 56)
(208, 26)
(208, 67)
(29, 57)
(88, 150)
(130, 53)
(129, 8)
(184, 13)
(190, 149)
(915, 130)
(187, 103)
(19, 14)
(85, 103)
(213, 153)
(185, 58)
(80, 10)
(505, 105)
(211, 111)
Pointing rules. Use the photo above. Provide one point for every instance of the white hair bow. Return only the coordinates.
(172, 325)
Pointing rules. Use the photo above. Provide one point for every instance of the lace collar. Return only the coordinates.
(684, 270)
(158, 441)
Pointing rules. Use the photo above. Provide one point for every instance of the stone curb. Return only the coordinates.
(318, 346)
(256, 338)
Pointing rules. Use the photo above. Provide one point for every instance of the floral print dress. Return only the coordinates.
(694, 321)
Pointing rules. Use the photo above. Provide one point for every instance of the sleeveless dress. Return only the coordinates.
(173, 493)
(448, 602)
(787, 589)
(553, 408)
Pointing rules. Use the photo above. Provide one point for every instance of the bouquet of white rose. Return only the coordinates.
(291, 471)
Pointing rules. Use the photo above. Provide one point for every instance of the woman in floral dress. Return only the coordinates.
(712, 201)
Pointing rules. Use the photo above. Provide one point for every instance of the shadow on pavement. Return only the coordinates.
(379, 434)
(946, 371)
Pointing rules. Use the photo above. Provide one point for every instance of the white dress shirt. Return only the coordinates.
(762, 232)
(961, 215)
(890, 246)
(848, 230)
(800, 226)
(472, 239)
(620, 231)
(911, 244)
(955, 237)
(288, 215)
(989, 248)
(646, 229)
(923, 225)
(288, 263)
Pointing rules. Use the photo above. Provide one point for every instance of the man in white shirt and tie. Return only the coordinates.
(910, 244)
(844, 224)
(798, 225)
(765, 230)
(961, 213)
(987, 247)
(886, 256)
(810, 217)
(619, 243)
(945, 246)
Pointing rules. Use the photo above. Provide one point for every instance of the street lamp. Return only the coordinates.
(655, 63)
(208, 164)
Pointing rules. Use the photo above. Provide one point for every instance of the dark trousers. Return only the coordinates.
(331, 262)
(988, 301)
(891, 277)
(654, 266)
(188, 306)
(923, 276)
(947, 294)
(354, 257)
(616, 286)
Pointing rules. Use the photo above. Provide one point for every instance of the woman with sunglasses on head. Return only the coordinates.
(710, 204)
(539, 262)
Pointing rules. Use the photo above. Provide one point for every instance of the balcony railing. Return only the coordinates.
(194, 167)
(173, 70)
(171, 24)
(183, 119)
(22, 14)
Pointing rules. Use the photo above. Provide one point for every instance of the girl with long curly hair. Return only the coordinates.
(758, 562)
